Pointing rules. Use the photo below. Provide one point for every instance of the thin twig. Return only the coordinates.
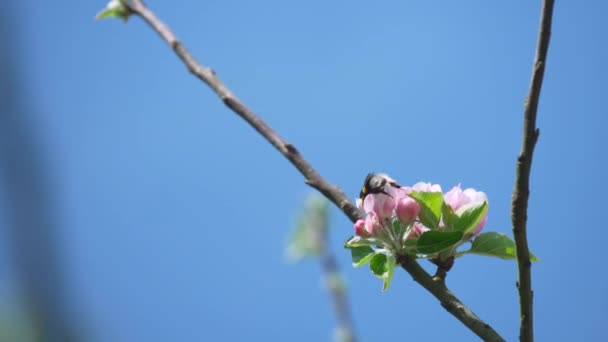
(521, 191)
(312, 177)
(207, 75)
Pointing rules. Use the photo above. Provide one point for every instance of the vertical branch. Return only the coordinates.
(310, 239)
(521, 191)
(31, 232)
(337, 291)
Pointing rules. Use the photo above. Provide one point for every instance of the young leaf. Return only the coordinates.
(388, 278)
(468, 219)
(377, 264)
(496, 245)
(383, 267)
(356, 241)
(115, 9)
(430, 207)
(397, 227)
(361, 255)
(434, 241)
(448, 216)
(311, 225)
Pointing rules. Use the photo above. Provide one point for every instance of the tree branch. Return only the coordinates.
(312, 177)
(521, 192)
(333, 283)
(448, 300)
(207, 75)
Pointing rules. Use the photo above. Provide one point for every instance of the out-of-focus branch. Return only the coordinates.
(31, 231)
(310, 239)
(312, 177)
(336, 288)
(521, 192)
(337, 292)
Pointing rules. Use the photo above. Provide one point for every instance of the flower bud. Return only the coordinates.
(372, 224)
(417, 230)
(407, 209)
(360, 228)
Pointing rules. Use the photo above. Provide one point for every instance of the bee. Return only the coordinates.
(376, 183)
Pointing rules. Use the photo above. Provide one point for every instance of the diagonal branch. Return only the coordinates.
(207, 75)
(519, 206)
(436, 286)
(312, 177)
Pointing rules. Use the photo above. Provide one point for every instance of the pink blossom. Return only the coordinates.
(368, 227)
(398, 193)
(372, 224)
(426, 187)
(417, 230)
(380, 204)
(461, 200)
(407, 209)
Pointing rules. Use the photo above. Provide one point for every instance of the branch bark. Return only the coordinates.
(521, 192)
(207, 75)
(311, 176)
(436, 286)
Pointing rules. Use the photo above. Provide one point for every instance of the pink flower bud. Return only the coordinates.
(360, 228)
(372, 224)
(407, 209)
(417, 230)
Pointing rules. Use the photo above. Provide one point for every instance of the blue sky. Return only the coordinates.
(174, 214)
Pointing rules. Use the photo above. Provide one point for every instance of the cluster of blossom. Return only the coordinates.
(392, 217)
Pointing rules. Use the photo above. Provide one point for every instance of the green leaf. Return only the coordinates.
(357, 241)
(397, 227)
(434, 241)
(496, 245)
(448, 215)
(430, 207)
(361, 255)
(389, 274)
(301, 244)
(377, 264)
(409, 247)
(411, 242)
(115, 9)
(383, 266)
(311, 226)
(468, 219)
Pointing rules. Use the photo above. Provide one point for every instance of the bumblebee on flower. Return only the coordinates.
(393, 212)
